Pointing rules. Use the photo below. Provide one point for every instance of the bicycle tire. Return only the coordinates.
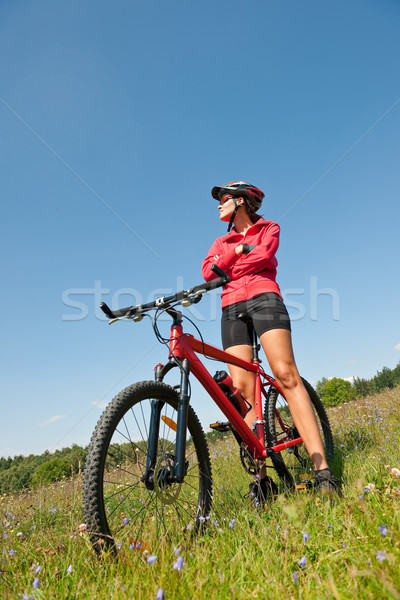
(119, 509)
(293, 465)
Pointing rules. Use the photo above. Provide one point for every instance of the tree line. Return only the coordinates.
(337, 391)
(32, 471)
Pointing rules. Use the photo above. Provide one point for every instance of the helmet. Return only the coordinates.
(240, 188)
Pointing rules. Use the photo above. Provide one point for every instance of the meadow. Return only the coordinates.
(300, 546)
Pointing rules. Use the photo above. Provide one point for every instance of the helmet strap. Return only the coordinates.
(237, 206)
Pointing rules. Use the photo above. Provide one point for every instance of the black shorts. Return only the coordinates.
(267, 311)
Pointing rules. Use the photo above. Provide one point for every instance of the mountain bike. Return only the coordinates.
(148, 468)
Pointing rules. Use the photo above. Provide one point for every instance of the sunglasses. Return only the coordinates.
(224, 198)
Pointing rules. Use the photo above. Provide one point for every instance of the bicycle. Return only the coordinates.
(148, 468)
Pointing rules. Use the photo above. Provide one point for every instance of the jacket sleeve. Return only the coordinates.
(223, 259)
(262, 257)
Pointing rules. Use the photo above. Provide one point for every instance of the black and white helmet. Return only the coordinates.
(239, 188)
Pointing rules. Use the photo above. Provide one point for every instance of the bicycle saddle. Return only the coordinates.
(246, 319)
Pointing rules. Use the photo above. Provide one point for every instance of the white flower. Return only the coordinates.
(395, 472)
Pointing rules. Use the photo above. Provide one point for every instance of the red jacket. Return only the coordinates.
(251, 274)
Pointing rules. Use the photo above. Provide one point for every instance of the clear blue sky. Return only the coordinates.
(116, 121)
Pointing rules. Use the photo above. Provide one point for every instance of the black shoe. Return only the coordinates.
(262, 490)
(326, 483)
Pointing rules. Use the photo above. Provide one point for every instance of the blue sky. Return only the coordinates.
(116, 121)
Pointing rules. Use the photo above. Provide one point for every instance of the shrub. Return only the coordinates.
(338, 391)
(53, 470)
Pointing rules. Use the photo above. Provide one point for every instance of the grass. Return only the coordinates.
(352, 549)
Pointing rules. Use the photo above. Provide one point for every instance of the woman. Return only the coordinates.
(247, 255)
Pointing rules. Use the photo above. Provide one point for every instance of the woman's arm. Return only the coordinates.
(223, 259)
(261, 257)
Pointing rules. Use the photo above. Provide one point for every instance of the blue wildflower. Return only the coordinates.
(383, 530)
(36, 583)
(151, 559)
(381, 556)
(178, 564)
(306, 536)
(302, 561)
(160, 594)
(295, 577)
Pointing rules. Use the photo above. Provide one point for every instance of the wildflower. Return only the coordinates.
(160, 594)
(302, 561)
(19, 534)
(201, 519)
(295, 577)
(381, 556)
(395, 472)
(35, 583)
(189, 527)
(38, 569)
(177, 551)
(178, 564)
(232, 523)
(119, 546)
(11, 552)
(125, 521)
(69, 570)
(151, 559)
(370, 487)
(278, 527)
(306, 536)
(383, 530)
(82, 527)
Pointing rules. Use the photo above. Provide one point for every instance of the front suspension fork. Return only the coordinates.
(178, 471)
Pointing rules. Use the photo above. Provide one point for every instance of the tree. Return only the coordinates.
(320, 387)
(50, 471)
(337, 391)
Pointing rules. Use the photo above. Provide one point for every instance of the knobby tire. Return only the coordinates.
(119, 508)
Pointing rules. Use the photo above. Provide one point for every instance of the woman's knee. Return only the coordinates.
(287, 375)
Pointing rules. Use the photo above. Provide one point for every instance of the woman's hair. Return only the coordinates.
(254, 217)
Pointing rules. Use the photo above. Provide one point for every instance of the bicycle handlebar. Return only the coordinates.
(165, 301)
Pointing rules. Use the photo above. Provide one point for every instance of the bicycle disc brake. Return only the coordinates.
(165, 488)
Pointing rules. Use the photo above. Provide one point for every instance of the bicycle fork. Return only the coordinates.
(175, 470)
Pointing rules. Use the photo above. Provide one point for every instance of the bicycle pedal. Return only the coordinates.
(219, 426)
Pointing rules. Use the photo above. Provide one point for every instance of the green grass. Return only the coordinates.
(256, 556)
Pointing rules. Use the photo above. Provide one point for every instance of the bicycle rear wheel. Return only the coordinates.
(120, 509)
(294, 465)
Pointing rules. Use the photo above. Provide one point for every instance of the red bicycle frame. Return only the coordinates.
(185, 346)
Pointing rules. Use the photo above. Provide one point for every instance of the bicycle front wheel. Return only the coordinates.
(120, 508)
(294, 465)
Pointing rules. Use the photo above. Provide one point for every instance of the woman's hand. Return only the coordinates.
(239, 249)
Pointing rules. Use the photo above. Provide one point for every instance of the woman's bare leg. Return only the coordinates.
(244, 381)
(277, 345)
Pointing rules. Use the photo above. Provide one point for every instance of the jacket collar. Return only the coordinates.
(257, 225)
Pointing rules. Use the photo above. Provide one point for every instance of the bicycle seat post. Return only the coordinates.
(253, 337)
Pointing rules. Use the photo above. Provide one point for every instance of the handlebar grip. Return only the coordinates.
(223, 276)
(106, 310)
(115, 314)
